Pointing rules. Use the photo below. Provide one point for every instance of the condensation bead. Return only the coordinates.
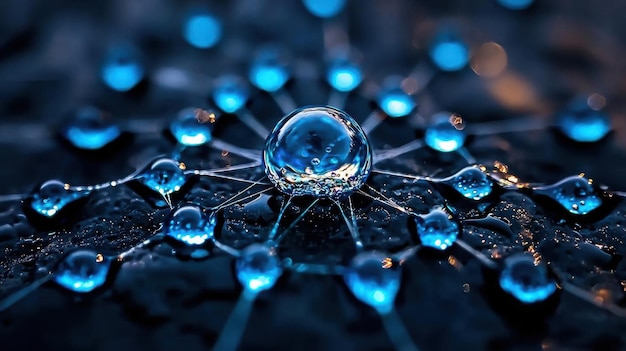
(52, 196)
(122, 69)
(163, 176)
(188, 130)
(437, 229)
(373, 281)
(471, 182)
(231, 93)
(190, 225)
(269, 70)
(576, 194)
(258, 268)
(91, 130)
(526, 281)
(442, 135)
(82, 271)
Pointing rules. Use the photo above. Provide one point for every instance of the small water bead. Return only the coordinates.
(324, 8)
(202, 30)
(317, 151)
(583, 124)
(190, 225)
(576, 194)
(122, 69)
(231, 93)
(188, 130)
(344, 75)
(82, 271)
(448, 52)
(437, 229)
(269, 70)
(515, 4)
(163, 176)
(372, 281)
(52, 196)
(394, 101)
(91, 130)
(258, 268)
(525, 280)
(443, 135)
(471, 182)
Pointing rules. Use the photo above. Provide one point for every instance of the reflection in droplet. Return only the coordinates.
(437, 229)
(82, 271)
(576, 194)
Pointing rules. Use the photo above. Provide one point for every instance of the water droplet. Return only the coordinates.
(312, 129)
(576, 194)
(393, 100)
(52, 196)
(258, 268)
(231, 93)
(372, 281)
(91, 130)
(437, 229)
(527, 282)
(344, 75)
(448, 52)
(188, 130)
(269, 70)
(581, 123)
(122, 69)
(202, 30)
(324, 8)
(190, 225)
(515, 4)
(470, 182)
(82, 271)
(442, 135)
(163, 176)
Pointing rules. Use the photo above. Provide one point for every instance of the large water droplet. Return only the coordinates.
(52, 196)
(372, 281)
(393, 100)
(202, 30)
(581, 123)
(258, 268)
(344, 75)
(442, 135)
(91, 130)
(231, 93)
(324, 8)
(471, 182)
(448, 52)
(437, 229)
(188, 130)
(576, 194)
(190, 225)
(296, 159)
(122, 69)
(163, 176)
(82, 271)
(269, 70)
(527, 282)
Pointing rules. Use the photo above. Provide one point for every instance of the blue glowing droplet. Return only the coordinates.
(442, 135)
(258, 268)
(470, 182)
(52, 196)
(91, 130)
(188, 130)
(317, 151)
(344, 75)
(576, 194)
(581, 123)
(449, 53)
(393, 100)
(82, 271)
(269, 70)
(437, 229)
(122, 69)
(516, 4)
(202, 30)
(527, 282)
(373, 281)
(231, 93)
(163, 176)
(190, 225)
(324, 8)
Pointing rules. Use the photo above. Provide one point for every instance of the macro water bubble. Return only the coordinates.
(344, 75)
(190, 225)
(394, 101)
(576, 194)
(526, 281)
(202, 30)
(515, 4)
(443, 134)
(581, 123)
(163, 176)
(317, 151)
(230, 93)
(372, 281)
(52, 196)
(471, 182)
(82, 271)
(189, 130)
(437, 229)
(258, 268)
(122, 69)
(324, 8)
(269, 71)
(91, 129)
(449, 52)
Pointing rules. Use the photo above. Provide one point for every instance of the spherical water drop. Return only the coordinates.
(202, 30)
(393, 100)
(470, 182)
(122, 69)
(91, 130)
(190, 225)
(372, 281)
(310, 131)
(437, 230)
(449, 53)
(324, 8)
(526, 281)
(269, 70)
(515, 4)
(163, 176)
(442, 135)
(583, 124)
(52, 196)
(82, 271)
(231, 93)
(258, 268)
(576, 194)
(188, 130)
(344, 75)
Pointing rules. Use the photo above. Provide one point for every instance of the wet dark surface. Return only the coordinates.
(49, 56)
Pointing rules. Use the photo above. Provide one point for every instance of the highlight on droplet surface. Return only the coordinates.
(269, 71)
(122, 69)
(317, 151)
(190, 225)
(448, 52)
(324, 8)
(372, 281)
(189, 129)
(582, 123)
(163, 176)
(393, 100)
(437, 229)
(82, 271)
(258, 268)
(231, 93)
(471, 182)
(202, 30)
(516, 4)
(344, 75)
(576, 194)
(52, 196)
(91, 129)
(526, 281)
(445, 133)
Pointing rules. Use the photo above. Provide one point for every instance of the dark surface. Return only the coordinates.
(49, 56)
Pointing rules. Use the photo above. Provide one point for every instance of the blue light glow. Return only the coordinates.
(122, 69)
(82, 271)
(164, 176)
(582, 124)
(515, 4)
(576, 194)
(258, 268)
(202, 31)
(527, 282)
(470, 182)
(372, 281)
(344, 75)
(395, 102)
(190, 225)
(436, 229)
(90, 130)
(52, 196)
(268, 72)
(188, 130)
(231, 93)
(324, 8)
(442, 135)
(449, 54)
